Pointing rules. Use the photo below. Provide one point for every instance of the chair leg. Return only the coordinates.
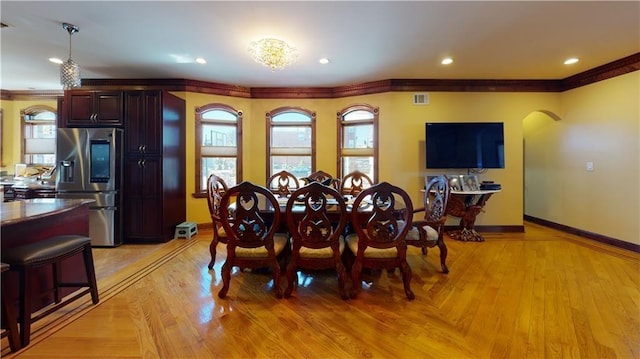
(212, 249)
(342, 279)
(91, 273)
(292, 278)
(275, 268)
(406, 280)
(443, 254)
(55, 267)
(226, 278)
(9, 316)
(25, 306)
(355, 278)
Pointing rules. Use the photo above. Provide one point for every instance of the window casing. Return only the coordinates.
(39, 136)
(218, 145)
(291, 141)
(358, 140)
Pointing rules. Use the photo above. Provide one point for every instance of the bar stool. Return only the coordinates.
(51, 252)
(9, 317)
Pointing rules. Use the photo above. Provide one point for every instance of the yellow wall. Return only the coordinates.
(11, 133)
(402, 160)
(598, 123)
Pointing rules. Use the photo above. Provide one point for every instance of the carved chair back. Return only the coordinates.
(283, 183)
(381, 216)
(316, 232)
(354, 182)
(216, 187)
(251, 223)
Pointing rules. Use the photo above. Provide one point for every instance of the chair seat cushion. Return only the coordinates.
(414, 234)
(279, 242)
(44, 251)
(370, 252)
(221, 232)
(306, 252)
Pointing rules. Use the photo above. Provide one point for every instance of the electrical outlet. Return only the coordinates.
(589, 166)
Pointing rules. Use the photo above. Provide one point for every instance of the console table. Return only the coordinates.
(467, 205)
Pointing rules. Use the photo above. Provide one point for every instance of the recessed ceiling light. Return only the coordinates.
(446, 61)
(571, 61)
(324, 61)
(55, 60)
(200, 60)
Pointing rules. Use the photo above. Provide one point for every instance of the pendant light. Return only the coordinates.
(69, 70)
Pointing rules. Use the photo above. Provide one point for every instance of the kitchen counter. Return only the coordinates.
(32, 209)
(36, 220)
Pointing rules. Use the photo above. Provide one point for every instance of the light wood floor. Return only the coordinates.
(539, 294)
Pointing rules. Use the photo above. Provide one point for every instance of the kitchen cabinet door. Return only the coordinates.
(144, 128)
(93, 108)
(143, 200)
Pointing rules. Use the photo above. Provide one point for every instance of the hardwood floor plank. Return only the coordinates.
(537, 294)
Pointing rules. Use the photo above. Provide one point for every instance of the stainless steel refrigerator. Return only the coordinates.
(89, 165)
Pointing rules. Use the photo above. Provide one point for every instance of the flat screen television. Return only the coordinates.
(464, 145)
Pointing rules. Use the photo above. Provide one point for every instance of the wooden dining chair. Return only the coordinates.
(216, 187)
(319, 176)
(381, 216)
(252, 241)
(283, 183)
(354, 182)
(429, 231)
(316, 232)
(324, 178)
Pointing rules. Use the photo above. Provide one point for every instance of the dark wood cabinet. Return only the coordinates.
(144, 132)
(85, 108)
(155, 178)
(143, 214)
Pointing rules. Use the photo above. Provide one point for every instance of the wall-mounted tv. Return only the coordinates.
(464, 145)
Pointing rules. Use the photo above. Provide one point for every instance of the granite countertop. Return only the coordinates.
(21, 211)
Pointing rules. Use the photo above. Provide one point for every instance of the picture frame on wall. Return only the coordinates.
(470, 183)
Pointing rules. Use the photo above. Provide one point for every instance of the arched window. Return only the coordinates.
(218, 144)
(39, 135)
(358, 140)
(291, 141)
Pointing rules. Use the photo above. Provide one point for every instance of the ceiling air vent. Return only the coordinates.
(420, 98)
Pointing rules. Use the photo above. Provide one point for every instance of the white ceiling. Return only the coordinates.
(365, 40)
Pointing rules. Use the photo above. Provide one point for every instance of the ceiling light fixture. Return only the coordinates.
(446, 61)
(69, 70)
(273, 53)
(571, 61)
(324, 61)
